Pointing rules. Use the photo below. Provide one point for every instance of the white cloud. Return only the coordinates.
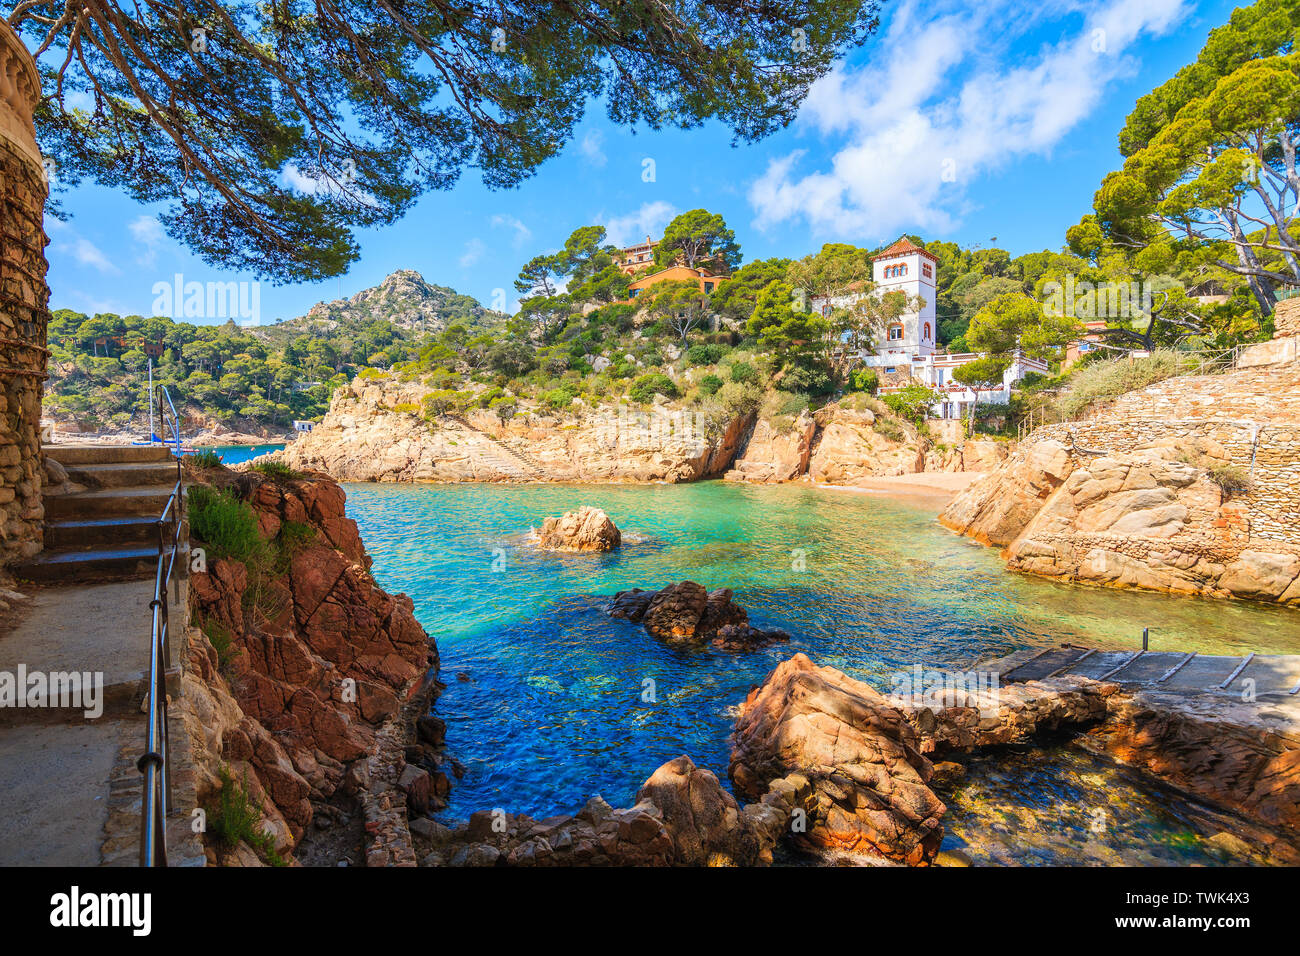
(649, 220)
(474, 250)
(88, 254)
(951, 97)
(592, 147)
(522, 232)
(148, 232)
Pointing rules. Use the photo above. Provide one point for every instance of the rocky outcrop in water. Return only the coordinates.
(688, 613)
(587, 529)
(682, 817)
(853, 752)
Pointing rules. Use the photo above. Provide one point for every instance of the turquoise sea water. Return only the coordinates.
(550, 701)
(234, 454)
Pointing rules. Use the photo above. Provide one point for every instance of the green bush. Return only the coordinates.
(204, 458)
(1233, 480)
(226, 525)
(558, 398)
(1103, 381)
(890, 429)
(738, 398)
(276, 469)
(705, 354)
(710, 384)
(647, 386)
(744, 373)
(864, 380)
(234, 818)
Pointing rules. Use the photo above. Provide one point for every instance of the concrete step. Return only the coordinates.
(108, 503)
(135, 529)
(123, 474)
(67, 565)
(69, 455)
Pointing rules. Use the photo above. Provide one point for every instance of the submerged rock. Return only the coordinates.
(689, 613)
(587, 529)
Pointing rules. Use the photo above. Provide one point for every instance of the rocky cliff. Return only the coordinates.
(1189, 486)
(300, 670)
(407, 300)
(376, 430)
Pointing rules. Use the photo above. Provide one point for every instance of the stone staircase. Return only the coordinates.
(517, 462)
(108, 531)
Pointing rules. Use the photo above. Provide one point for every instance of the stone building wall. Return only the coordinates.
(24, 305)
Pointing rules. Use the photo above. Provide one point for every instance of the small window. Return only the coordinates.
(895, 333)
(926, 269)
(926, 335)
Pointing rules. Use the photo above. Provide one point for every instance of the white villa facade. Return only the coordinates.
(907, 352)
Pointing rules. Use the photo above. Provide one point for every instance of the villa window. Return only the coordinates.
(895, 333)
(926, 270)
(926, 335)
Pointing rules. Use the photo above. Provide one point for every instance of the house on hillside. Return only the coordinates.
(636, 257)
(907, 351)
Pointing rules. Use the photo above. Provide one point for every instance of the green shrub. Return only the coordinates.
(744, 373)
(1103, 381)
(710, 384)
(407, 408)
(226, 525)
(890, 429)
(233, 818)
(705, 354)
(293, 536)
(864, 380)
(204, 458)
(738, 398)
(1232, 479)
(558, 398)
(911, 402)
(647, 386)
(786, 404)
(276, 469)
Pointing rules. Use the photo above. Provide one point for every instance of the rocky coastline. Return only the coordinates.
(1190, 486)
(375, 431)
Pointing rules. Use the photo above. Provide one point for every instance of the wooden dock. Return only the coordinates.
(1273, 675)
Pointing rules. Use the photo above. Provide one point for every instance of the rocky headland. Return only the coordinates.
(1188, 486)
(376, 430)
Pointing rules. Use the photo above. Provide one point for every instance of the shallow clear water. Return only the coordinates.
(550, 701)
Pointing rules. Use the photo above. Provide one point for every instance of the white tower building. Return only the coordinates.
(906, 267)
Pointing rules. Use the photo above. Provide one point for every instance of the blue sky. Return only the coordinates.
(960, 121)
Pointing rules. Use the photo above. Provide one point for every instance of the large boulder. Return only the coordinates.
(587, 529)
(859, 754)
(689, 613)
(706, 824)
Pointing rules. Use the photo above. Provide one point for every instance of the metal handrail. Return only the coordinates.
(153, 763)
(168, 419)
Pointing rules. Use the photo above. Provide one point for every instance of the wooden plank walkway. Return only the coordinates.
(1274, 675)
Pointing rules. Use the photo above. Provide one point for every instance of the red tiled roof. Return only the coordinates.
(903, 247)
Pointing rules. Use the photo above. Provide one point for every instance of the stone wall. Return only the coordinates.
(1249, 419)
(24, 306)
(1286, 318)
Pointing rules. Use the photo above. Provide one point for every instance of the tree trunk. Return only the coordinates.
(24, 305)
